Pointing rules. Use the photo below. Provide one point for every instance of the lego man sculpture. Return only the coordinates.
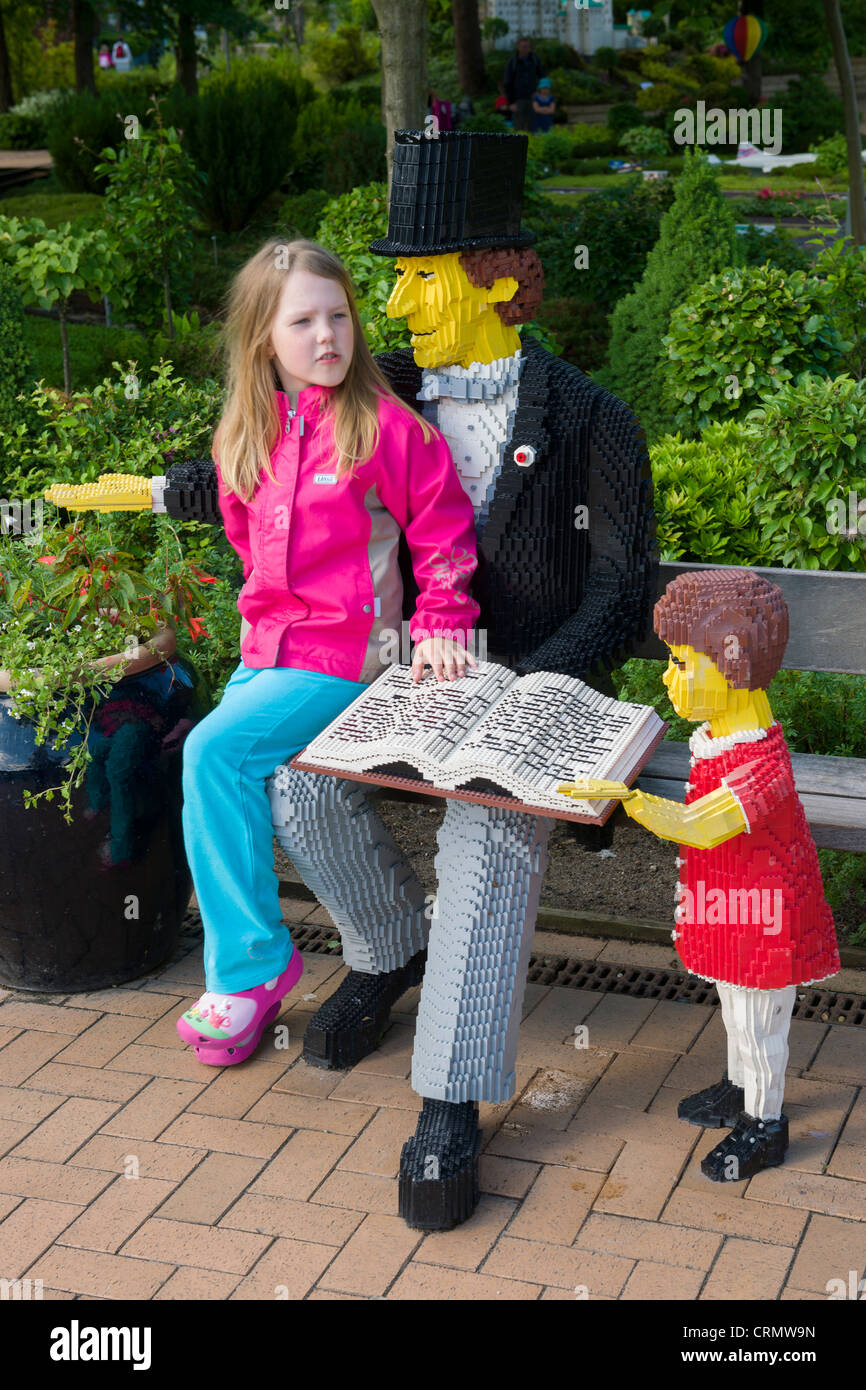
(558, 472)
(752, 916)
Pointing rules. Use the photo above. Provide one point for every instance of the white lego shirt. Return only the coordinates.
(474, 409)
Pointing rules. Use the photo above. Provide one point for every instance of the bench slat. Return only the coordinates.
(813, 772)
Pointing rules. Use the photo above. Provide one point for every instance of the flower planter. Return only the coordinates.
(100, 901)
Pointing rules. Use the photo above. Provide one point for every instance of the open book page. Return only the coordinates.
(395, 720)
(547, 729)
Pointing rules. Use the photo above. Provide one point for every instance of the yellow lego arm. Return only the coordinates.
(704, 824)
(113, 492)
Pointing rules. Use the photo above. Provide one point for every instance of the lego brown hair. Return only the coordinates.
(484, 267)
(734, 616)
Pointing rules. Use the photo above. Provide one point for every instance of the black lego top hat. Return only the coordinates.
(456, 191)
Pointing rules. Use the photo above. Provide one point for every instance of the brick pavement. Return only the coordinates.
(129, 1170)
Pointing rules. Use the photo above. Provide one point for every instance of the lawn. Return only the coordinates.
(733, 182)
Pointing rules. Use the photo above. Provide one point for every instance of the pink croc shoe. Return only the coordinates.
(225, 1029)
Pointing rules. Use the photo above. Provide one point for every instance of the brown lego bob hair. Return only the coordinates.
(483, 268)
(734, 616)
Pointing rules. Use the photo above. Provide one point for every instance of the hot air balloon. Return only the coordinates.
(745, 35)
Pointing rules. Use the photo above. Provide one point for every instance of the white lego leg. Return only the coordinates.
(761, 1019)
(490, 866)
(346, 855)
(735, 1061)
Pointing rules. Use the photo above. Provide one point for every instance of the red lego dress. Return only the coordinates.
(752, 911)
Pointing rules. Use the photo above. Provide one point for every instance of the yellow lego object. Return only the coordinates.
(113, 492)
(451, 320)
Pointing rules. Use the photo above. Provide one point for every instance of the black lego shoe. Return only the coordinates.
(350, 1024)
(718, 1107)
(439, 1166)
(751, 1145)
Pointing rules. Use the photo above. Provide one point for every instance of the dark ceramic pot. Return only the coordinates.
(100, 901)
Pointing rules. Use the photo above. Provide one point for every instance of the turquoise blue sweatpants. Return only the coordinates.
(264, 718)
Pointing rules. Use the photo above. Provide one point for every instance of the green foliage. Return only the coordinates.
(645, 143)
(844, 876)
(623, 116)
(841, 269)
(486, 120)
(149, 207)
(777, 248)
(84, 209)
(25, 125)
(15, 363)
(552, 54)
(81, 127)
(810, 112)
(809, 448)
(553, 150)
(832, 161)
(350, 223)
(619, 227)
(240, 134)
(576, 88)
(738, 335)
(701, 497)
(336, 149)
(343, 55)
(606, 58)
(302, 212)
(696, 239)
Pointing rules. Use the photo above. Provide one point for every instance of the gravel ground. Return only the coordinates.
(635, 877)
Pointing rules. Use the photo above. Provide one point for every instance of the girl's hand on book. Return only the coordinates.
(447, 658)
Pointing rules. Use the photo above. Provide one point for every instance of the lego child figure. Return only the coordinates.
(752, 916)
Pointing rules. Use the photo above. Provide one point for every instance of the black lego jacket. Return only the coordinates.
(568, 568)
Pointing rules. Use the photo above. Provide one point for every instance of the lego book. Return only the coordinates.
(487, 735)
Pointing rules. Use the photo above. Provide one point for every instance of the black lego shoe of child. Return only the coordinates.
(751, 1145)
(718, 1107)
(350, 1024)
(439, 1166)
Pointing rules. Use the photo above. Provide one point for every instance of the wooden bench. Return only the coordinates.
(828, 633)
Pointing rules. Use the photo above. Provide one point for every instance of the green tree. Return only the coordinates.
(697, 239)
(14, 356)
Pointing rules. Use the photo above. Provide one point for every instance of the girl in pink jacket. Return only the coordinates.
(321, 468)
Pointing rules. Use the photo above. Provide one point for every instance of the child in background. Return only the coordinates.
(543, 107)
(320, 469)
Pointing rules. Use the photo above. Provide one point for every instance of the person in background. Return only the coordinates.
(520, 79)
(105, 60)
(441, 111)
(543, 107)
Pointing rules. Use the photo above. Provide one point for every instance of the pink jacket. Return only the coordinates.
(320, 553)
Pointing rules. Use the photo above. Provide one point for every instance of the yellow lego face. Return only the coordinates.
(696, 686)
(451, 321)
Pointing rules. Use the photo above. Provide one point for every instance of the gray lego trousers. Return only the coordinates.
(490, 866)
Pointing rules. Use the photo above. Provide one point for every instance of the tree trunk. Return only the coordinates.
(64, 343)
(403, 31)
(467, 43)
(856, 192)
(84, 24)
(6, 99)
(298, 22)
(752, 71)
(185, 55)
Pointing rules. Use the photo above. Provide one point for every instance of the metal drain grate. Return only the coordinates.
(821, 1005)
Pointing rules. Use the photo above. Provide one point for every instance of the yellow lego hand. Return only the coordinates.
(113, 492)
(596, 789)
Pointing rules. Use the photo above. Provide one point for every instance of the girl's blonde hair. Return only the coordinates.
(249, 425)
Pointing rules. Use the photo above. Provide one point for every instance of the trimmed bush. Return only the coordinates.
(701, 497)
(302, 212)
(337, 149)
(240, 133)
(348, 226)
(739, 335)
(619, 228)
(347, 53)
(696, 240)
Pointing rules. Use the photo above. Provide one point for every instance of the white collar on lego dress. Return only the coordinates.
(482, 381)
(703, 745)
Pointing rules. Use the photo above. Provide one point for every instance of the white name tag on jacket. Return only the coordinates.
(324, 477)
